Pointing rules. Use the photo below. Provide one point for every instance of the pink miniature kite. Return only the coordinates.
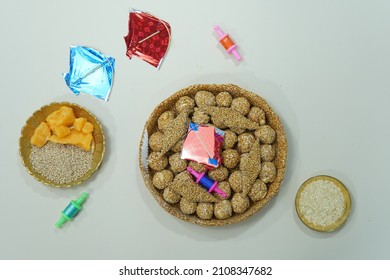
(203, 145)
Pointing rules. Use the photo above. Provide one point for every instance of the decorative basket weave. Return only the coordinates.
(98, 143)
(280, 143)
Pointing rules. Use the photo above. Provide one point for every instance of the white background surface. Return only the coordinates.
(322, 65)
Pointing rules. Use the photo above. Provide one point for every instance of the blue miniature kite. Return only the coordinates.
(90, 72)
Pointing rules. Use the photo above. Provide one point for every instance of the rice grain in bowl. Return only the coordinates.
(250, 126)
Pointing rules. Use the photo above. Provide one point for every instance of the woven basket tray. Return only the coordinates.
(280, 143)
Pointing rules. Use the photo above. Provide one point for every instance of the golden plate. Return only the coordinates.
(279, 161)
(347, 200)
(98, 144)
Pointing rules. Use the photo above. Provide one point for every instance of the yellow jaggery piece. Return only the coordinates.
(61, 131)
(41, 134)
(63, 116)
(87, 128)
(76, 138)
(79, 123)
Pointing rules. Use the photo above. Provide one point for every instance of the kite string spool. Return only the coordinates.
(227, 42)
(71, 210)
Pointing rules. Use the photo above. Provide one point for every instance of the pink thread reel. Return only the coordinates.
(209, 184)
(227, 42)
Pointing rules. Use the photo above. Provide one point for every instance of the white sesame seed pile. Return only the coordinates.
(60, 163)
(322, 203)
